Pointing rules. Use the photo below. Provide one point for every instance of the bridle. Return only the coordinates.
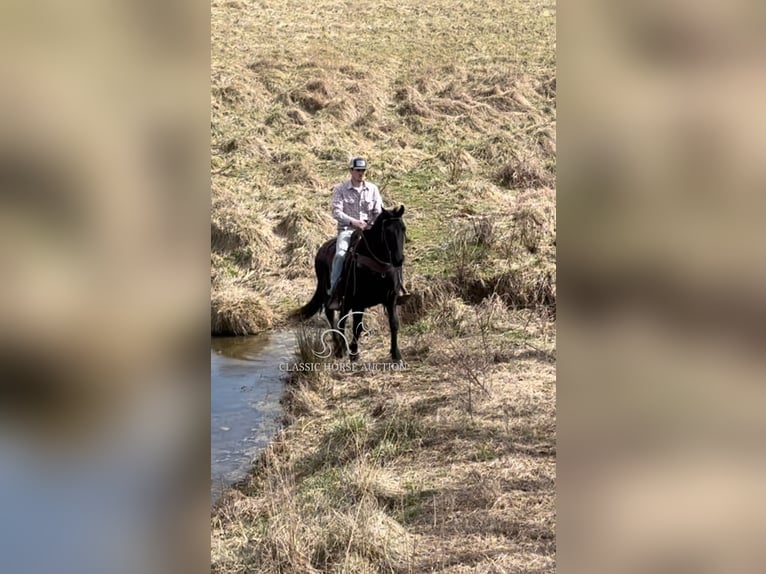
(387, 264)
(383, 236)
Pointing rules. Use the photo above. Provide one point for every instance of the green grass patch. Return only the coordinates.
(420, 327)
(398, 434)
(414, 504)
(486, 452)
(321, 485)
(346, 438)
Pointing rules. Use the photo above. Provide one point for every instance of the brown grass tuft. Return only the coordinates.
(302, 399)
(366, 479)
(458, 163)
(411, 103)
(524, 170)
(239, 231)
(427, 292)
(296, 170)
(530, 286)
(305, 230)
(354, 563)
(312, 345)
(238, 311)
(534, 221)
(298, 117)
(452, 316)
(382, 539)
(313, 526)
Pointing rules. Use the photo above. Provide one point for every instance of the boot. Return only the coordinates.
(335, 299)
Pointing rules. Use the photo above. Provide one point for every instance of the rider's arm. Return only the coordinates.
(337, 207)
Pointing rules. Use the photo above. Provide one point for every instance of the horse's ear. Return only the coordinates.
(400, 211)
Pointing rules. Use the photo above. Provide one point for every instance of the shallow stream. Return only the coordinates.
(245, 388)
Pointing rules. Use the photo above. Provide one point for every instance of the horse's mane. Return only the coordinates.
(372, 234)
(387, 215)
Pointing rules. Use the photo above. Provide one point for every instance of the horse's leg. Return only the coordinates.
(358, 316)
(331, 322)
(338, 338)
(393, 324)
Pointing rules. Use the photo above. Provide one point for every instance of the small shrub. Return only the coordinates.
(464, 252)
(528, 229)
(484, 231)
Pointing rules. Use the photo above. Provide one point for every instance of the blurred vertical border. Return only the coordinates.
(104, 297)
(662, 307)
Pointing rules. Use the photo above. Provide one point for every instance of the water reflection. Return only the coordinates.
(245, 388)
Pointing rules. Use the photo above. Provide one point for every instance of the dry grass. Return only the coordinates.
(455, 128)
(305, 229)
(534, 219)
(238, 311)
(527, 170)
(241, 233)
(448, 466)
(426, 292)
(311, 526)
(301, 400)
(403, 472)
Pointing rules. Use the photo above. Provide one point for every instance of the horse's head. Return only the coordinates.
(390, 231)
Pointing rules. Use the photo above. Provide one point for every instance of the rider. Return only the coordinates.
(356, 204)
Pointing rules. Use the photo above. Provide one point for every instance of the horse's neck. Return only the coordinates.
(368, 245)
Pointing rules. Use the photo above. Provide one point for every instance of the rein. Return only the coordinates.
(385, 264)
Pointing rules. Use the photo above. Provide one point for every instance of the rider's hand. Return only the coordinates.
(359, 224)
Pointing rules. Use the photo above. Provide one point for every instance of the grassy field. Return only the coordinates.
(448, 465)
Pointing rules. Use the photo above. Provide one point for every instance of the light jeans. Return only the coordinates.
(344, 236)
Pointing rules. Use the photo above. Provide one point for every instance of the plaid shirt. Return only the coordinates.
(349, 203)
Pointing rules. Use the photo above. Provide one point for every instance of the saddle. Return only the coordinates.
(354, 258)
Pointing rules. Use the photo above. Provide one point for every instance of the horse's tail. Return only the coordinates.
(322, 270)
(312, 307)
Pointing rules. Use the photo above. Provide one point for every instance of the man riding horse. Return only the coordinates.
(372, 274)
(356, 204)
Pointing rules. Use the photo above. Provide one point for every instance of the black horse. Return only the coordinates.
(370, 277)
